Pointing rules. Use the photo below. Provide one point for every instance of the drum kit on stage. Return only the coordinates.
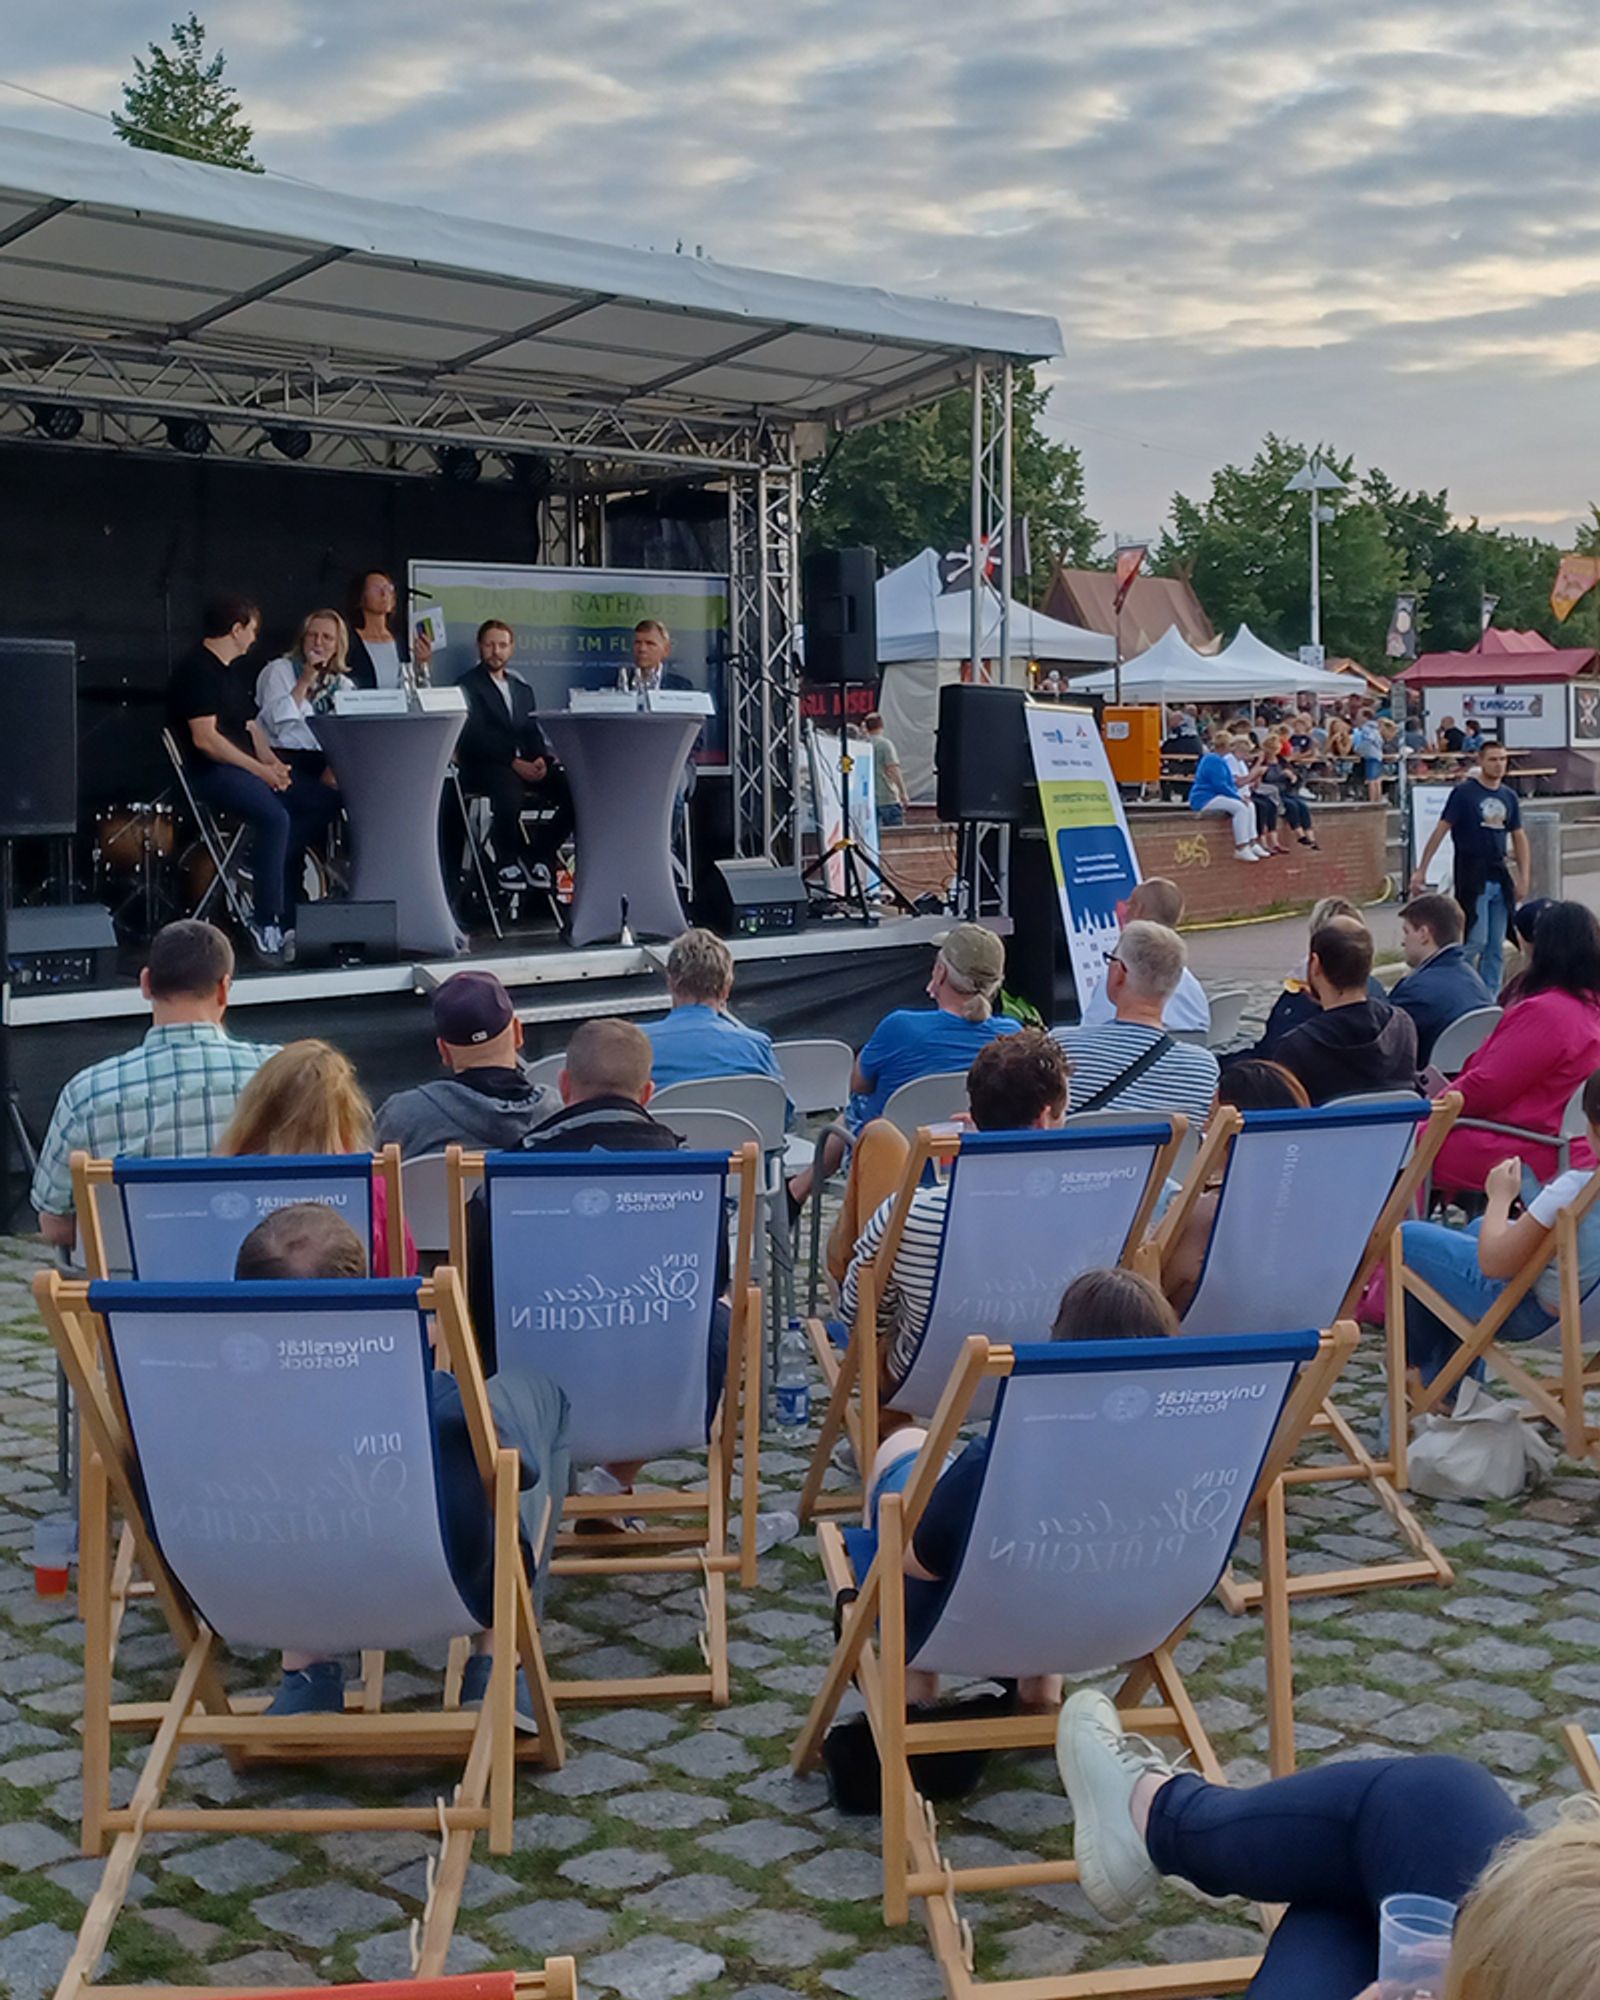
(146, 878)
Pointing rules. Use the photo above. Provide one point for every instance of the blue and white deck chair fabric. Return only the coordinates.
(1307, 1204)
(1025, 1213)
(1117, 1478)
(1560, 1398)
(272, 1450)
(172, 1221)
(604, 1271)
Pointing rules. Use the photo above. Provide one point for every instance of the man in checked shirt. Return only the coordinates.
(167, 1099)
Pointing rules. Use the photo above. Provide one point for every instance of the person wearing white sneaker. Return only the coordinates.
(1331, 1843)
(1215, 791)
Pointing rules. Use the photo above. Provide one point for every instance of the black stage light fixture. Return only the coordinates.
(289, 440)
(60, 422)
(189, 435)
(456, 463)
(528, 473)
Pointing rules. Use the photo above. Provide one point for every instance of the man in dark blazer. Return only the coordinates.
(1441, 986)
(504, 758)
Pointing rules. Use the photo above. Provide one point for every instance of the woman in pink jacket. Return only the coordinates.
(1544, 1046)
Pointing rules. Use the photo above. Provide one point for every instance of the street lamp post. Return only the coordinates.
(1316, 478)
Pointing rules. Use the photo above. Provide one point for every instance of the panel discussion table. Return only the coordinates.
(392, 771)
(623, 771)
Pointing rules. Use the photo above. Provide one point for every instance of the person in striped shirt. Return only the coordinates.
(172, 1096)
(1121, 1064)
(1018, 1083)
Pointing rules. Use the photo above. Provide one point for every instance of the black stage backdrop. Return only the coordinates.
(117, 552)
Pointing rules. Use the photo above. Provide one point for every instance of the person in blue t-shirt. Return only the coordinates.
(700, 1038)
(924, 1041)
(1097, 1305)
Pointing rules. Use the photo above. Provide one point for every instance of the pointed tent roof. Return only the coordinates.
(1171, 670)
(1251, 655)
(919, 620)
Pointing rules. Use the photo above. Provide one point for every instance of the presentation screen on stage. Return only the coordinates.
(574, 628)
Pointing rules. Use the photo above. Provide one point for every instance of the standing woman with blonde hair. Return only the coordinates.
(306, 1100)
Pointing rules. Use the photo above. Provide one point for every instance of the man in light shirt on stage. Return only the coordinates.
(1158, 901)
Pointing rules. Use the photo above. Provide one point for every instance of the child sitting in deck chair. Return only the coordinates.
(308, 1240)
(1099, 1305)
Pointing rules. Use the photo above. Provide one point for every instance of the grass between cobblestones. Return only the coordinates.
(675, 1853)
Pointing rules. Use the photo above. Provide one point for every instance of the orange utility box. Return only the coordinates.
(1133, 744)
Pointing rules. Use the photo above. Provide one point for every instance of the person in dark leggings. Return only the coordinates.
(1331, 1843)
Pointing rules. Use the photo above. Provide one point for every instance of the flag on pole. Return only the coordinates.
(1487, 609)
(1401, 644)
(1130, 560)
(1576, 576)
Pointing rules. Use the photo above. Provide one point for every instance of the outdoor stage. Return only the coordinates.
(835, 979)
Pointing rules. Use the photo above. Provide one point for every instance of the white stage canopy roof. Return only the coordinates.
(919, 620)
(1255, 656)
(162, 260)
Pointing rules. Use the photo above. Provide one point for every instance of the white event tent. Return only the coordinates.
(924, 635)
(1172, 671)
(1288, 675)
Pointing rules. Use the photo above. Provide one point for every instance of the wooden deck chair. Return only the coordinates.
(1584, 1749)
(271, 1448)
(174, 1221)
(1118, 1476)
(1560, 1400)
(557, 1979)
(603, 1269)
(1310, 1202)
(1026, 1212)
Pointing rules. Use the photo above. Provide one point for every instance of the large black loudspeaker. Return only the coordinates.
(982, 753)
(38, 737)
(840, 592)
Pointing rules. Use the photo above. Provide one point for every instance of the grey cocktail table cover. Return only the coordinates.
(623, 771)
(391, 771)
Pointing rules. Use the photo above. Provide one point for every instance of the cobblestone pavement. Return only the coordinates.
(675, 1854)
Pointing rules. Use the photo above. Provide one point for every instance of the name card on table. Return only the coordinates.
(678, 701)
(602, 701)
(441, 701)
(371, 701)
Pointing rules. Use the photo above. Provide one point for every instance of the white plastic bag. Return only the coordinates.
(1482, 1451)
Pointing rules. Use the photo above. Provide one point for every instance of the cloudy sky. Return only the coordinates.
(1371, 223)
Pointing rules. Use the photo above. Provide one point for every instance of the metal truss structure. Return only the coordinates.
(992, 539)
(764, 612)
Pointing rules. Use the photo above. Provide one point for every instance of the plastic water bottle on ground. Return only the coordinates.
(791, 1395)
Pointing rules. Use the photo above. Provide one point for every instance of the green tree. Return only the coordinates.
(1246, 549)
(178, 103)
(903, 485)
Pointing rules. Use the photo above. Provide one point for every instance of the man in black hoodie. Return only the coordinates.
(1354, 1043)
(486, 1102)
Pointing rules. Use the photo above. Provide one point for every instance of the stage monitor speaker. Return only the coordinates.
(839, 588)
(38, 737)
(61, 947)
(328, 932)
(762, 898)
(982, 754)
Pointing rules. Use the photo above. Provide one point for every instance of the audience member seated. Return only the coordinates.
(1215, 791)
(1333, 1844)
(914, 1042)
(700, 1038)
(1441, 986)
(1018, 1084)
(1519, 935)
(308, 1240)
(169, 1098)
(1540, 1051)
(305, 1099)
(1355, 1043)
(1469, 1267)
(1099, 1305)
(1130, 1063)
(1158, 901)
(486, 1102)
(1295, 1004)
(1248, 1085)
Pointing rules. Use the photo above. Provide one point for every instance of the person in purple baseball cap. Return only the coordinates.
(486, 1099)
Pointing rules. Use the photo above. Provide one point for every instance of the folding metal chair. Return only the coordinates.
(277, 1504)
(1078, 1560)
(1461, 1040)
(223, 852)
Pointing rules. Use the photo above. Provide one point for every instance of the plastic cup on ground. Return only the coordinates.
(1414, 1946)
(52, 1554)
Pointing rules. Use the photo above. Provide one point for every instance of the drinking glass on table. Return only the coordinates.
(1413, 1946)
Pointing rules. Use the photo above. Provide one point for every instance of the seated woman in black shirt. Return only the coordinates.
(233, 768)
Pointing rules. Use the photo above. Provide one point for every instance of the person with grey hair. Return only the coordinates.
(700, 1038)
(1131, 1063)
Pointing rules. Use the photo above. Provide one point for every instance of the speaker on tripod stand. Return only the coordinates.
(38, 797)
(839, 589)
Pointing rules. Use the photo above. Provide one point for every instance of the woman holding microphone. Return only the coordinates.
(290, 690)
